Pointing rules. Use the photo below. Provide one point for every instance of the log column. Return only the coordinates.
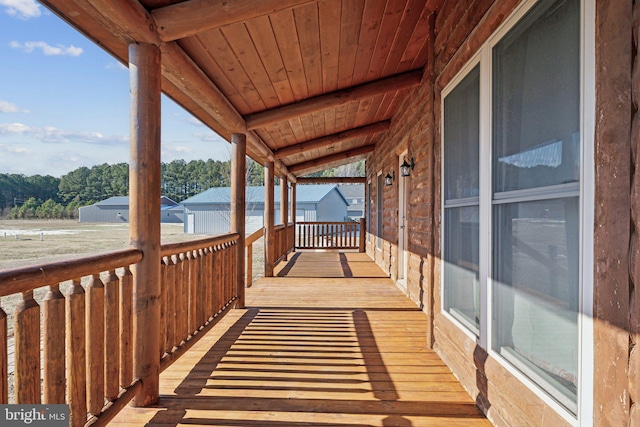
(238, 189)
(269, 240)
(144, 234)
(284, 213)
(293, 213)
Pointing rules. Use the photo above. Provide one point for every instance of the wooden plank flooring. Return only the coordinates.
(318, 350)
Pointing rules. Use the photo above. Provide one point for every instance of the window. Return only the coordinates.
(526, 82)
(461, 210)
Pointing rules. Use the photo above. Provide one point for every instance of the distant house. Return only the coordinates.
(116, 209)
(208, 212)
(354, 193)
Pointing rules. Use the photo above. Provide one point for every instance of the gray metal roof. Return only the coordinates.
(304, 194)
(124, 201)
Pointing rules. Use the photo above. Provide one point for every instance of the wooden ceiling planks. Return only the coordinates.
(278, 53)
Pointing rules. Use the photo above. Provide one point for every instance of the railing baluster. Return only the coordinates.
(172, 299)
(4, 359)
(95, 345)
(126, 328)
(184, 296)
(27, 350)
(190, 265)
(163, 307)
(200, 288)
(76, 356)
(111, 332)
(210, 286)
(54, 364)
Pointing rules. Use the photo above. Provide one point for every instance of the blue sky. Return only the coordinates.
(64, 102)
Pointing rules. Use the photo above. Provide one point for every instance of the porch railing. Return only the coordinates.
(248, 243)
(284, 240)
(330, 235)
(87, 322)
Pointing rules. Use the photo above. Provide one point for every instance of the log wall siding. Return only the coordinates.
(634, 249)
(461, 29)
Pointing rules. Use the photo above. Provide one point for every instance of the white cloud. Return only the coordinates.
(208, 137)
(23, 9)
(50, 134)
(47, 49)
(194, 121)
(8, 107)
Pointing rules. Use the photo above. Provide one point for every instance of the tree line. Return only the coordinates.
(48, 197)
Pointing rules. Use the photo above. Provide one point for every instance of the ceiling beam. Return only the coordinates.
(333, 180)
(334, 99)
(130, 16)
(310, 164)
(328, 140)
(191, 17)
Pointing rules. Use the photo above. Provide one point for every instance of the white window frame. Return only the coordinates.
(584, 415)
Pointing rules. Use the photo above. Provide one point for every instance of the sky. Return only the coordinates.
(64, 102)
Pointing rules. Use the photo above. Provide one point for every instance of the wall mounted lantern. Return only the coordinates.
(406, 168)
(388, 179)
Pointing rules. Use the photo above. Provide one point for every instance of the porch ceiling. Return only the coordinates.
(312, 83)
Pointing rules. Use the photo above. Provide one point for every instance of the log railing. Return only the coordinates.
(248, 244)
(85, 337)
(284, 241)
(330, 235)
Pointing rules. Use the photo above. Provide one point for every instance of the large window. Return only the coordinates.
(379, 212)
(531, 75)
(461, 191)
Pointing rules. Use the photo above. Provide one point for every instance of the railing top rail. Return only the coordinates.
(176, 248)
(24, 279)
(253, 237)
(279, 227)
(326, 222)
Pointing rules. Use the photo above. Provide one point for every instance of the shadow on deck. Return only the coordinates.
(314, 349)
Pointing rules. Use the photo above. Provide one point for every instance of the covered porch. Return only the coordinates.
(328, 341)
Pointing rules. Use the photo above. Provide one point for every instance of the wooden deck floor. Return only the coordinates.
(314, 349)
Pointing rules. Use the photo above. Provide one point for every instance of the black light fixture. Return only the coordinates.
(406, 168)
(388, 179)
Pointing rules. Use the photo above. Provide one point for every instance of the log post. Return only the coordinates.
(284, 214)
(269, 241)
(238, 197)
(362, 246)
(53, 348)
(144, 234)
(293, 213)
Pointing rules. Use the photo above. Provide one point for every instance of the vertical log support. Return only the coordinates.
(293, 213)
(238, 189)
(362, 246)
(284, 213)
(269, 241)
(144, 234)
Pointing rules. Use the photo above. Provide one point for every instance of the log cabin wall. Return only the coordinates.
(460, 29)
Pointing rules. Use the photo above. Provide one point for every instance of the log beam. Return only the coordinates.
(300, 167)
(238, 210)
(326, 141)
(333, 180)
(144, 234)
(334, 99)
(131, 17)
(195, 16)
